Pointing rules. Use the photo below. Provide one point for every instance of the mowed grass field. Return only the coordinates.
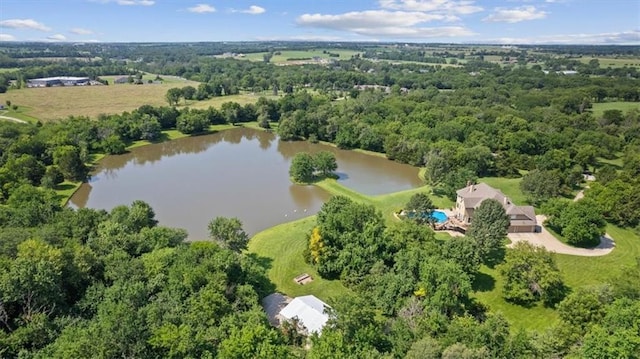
(613, 62)
(600, 107)
(297, 54)
(51, 103)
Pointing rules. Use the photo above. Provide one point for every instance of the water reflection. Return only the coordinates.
(234, 173)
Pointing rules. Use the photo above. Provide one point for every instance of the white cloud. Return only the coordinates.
(56, 37)
(127, 2)
(7, 37)
(80, 31)
(462, 7)
(253, 10)
(370, 19)
(202, 9)
(24, 24)
(625, 37)
(523, 13)
(385, 23)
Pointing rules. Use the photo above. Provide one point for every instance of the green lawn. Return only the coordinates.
(600, 107)
(20, 113)
(580, 271)
(613, 62)
(508, 186)
(282, 247)
(488, 290)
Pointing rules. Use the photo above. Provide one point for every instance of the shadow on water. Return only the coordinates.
(342, 176)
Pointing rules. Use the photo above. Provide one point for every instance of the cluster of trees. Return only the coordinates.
(306, 167)
(421, 287)
(580, 222)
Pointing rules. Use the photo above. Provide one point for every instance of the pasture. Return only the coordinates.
(284, 55)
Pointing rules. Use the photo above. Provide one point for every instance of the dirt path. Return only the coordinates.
(552, 244)
(12, 119)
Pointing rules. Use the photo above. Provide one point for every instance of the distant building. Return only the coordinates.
(309, 311)
(121, 80)
(58, 81)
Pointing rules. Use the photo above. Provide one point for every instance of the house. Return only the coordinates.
(58, 81)
(309, 311)
(523, 218)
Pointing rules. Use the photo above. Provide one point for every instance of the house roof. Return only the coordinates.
(473, 195)
(309, 310)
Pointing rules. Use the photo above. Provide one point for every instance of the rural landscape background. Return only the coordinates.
(153, 192)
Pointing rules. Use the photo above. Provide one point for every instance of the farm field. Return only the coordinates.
(599, 108)
(613, 62)
(301, 54)
(53, 103)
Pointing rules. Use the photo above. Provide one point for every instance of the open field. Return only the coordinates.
(291, 54)
(8, 69)
(60, 102)
(613, 62)
(600, 107)
(166, 79)
(242, 99)
(20, 113)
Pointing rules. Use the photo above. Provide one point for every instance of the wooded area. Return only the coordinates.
(91, 283)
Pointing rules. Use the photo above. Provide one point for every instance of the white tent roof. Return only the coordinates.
(310, 312)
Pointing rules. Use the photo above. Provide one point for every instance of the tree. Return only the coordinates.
(67, 158)
(52, 177)
(228, 233)
(302, 168)
(173, 96)
(531, 274)
(325, 162)
(420, 203)
(580, 222)
(188, 92)
(489, 227)
(539, 185)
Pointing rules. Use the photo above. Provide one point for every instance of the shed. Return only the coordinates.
(310, 312)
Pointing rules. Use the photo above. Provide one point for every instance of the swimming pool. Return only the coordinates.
(436, 216)
(439, 216)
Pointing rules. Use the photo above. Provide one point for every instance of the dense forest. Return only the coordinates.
(91, 283)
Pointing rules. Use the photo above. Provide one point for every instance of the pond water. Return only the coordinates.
(240, 173)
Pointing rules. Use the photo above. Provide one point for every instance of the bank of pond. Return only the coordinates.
(239, 172)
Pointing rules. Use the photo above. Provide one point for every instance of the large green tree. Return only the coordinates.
(489, 228)
(302, 168)
(228, 233)
(530, 275)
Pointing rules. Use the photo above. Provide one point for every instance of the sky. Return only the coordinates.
(420, 21)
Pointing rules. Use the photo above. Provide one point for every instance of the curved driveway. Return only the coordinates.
(552, 244)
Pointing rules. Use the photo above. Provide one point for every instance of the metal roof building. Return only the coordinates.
(310, 312)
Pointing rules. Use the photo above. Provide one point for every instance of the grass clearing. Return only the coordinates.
(488, 290)
(285, 55)
(242, 99)
(613, 62)
(51, 103)
(282, 247)
(581, 271)
(508, 186)
(600, 107)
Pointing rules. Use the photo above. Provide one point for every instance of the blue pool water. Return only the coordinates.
(438, 216)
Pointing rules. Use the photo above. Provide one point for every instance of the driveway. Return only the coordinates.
(552, 244)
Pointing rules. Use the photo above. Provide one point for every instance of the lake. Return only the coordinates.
(240, 173)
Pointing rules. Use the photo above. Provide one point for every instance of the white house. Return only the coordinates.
(309, 311)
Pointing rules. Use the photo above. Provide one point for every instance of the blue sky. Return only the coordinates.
(457, 21)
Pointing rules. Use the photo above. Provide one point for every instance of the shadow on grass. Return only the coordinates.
(496, 257)
(483, 282)
(65, 187)
(263, 285)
